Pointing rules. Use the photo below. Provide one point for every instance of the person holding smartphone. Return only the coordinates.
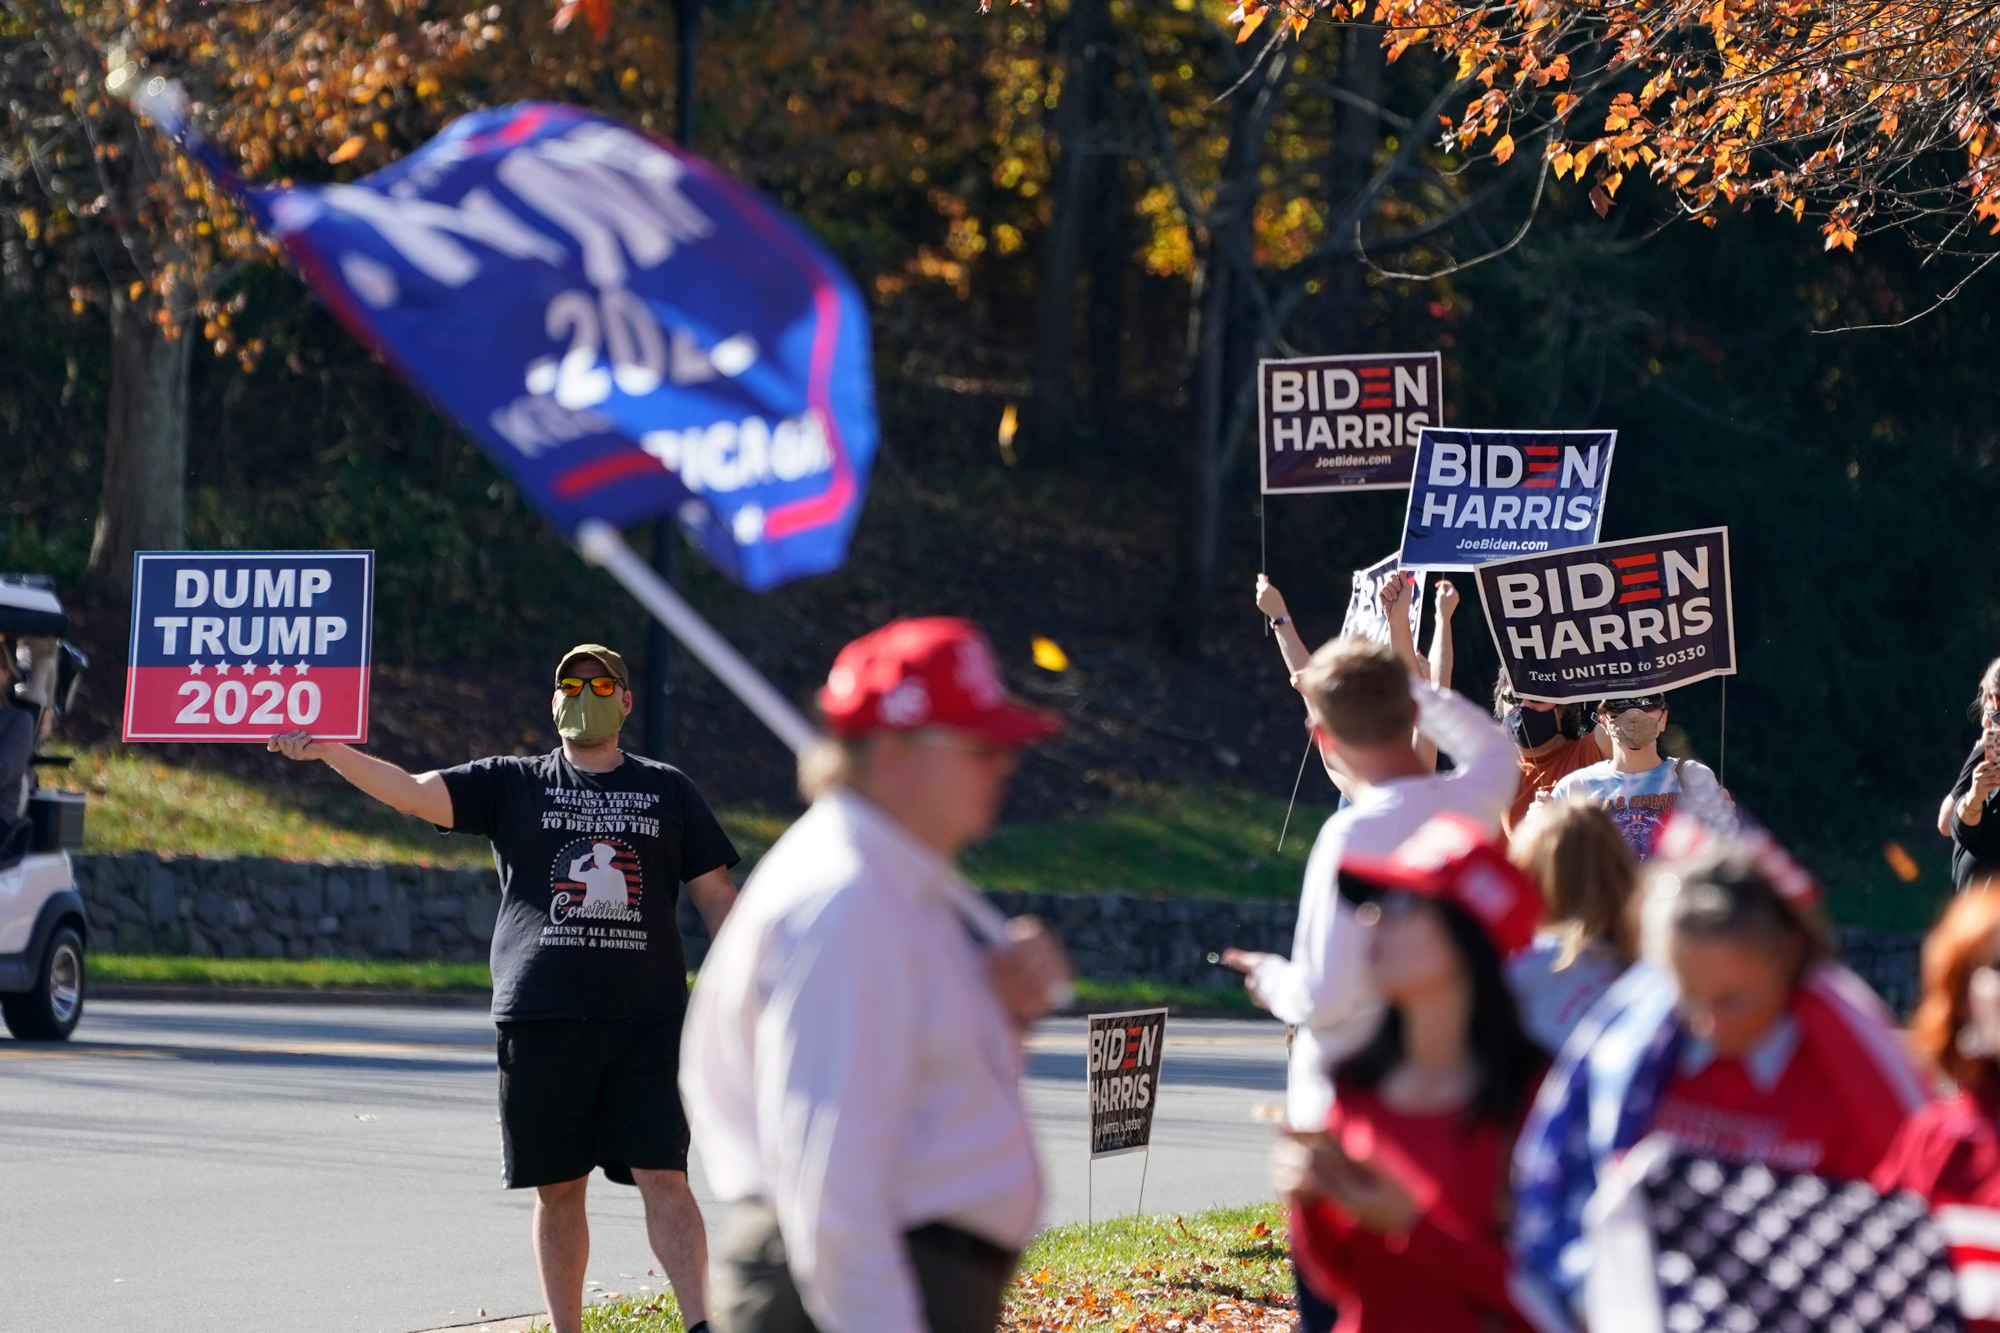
(1970, 815)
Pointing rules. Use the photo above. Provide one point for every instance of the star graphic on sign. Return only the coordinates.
(194, 668)
(222, 668)
(300, 668)
(275, 668)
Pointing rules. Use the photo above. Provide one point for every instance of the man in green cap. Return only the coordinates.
(589, 982)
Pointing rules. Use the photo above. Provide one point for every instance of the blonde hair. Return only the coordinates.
(1587, 875)
(1359, 691)
(1989, 683)
(830, 763)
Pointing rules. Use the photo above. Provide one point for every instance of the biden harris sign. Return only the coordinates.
(627, 331)
(1480, 495)
(243, 645)
(1623, 618)
(1344, 423)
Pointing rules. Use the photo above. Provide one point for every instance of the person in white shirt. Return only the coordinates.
(1638, 786)
(851, 1054)
(1362, 702)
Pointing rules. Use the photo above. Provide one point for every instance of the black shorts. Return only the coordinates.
(588, 1092)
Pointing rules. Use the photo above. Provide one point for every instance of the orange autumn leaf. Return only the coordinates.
(1503, 149)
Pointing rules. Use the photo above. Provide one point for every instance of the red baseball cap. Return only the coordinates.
(1457, 859)
(934, 672)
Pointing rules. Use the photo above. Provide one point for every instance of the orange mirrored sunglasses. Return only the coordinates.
(601, 686)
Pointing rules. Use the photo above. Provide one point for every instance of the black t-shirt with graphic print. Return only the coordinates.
(590, 866)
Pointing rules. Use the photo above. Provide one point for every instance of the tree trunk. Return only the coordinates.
(1220, 259)
(1202, 527)
(1089, 60)
(1301, 533)
(1111, 246)
(1360, 132)
(143, 506)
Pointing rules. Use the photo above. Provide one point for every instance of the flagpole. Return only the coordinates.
(600, 544)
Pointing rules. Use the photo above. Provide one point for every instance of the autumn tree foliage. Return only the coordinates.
(1864, 114)
(102, 216)
(98, 212)
(1260, 173)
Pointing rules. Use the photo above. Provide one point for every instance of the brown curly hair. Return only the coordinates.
(1962, 942)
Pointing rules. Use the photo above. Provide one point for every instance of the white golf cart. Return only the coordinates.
(42, 923)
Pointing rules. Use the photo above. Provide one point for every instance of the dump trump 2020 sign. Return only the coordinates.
(1620, 618)
(243, 645)
(1124, 1078)
(1345, 423)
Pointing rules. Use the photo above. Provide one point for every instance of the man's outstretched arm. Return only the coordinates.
(421, 794)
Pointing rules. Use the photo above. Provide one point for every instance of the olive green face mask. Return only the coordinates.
(587, 717)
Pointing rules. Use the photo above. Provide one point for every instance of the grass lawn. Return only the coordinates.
(389, 974)
(1167, 842)
(301, 973)
(1173, 842)
(140, 804)
(1224, 1271)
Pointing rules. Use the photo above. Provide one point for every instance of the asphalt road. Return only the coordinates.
(336, 1170)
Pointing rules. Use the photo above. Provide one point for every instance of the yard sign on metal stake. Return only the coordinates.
(1123, 1079)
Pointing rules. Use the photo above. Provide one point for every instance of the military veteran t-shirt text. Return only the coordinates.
(590, 866)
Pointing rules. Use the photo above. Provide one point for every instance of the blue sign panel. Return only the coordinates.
(1480, 495)
(627, 331)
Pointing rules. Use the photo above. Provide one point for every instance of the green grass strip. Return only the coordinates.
(392, 974)
(290, 973)
(1153, 842)
(1228, 1266)
(1109, 996)
(1157, 842)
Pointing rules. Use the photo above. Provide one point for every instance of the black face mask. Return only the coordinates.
(1533, 727)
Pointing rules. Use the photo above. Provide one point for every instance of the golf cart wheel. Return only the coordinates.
(50, 1011)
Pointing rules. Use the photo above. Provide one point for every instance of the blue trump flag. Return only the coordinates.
(625, 329)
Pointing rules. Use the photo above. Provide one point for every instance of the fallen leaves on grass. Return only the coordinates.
(1211, 1277)
(1045, 1305)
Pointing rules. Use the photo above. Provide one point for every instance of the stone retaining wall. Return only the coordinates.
(257, 907)
(263, 908)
